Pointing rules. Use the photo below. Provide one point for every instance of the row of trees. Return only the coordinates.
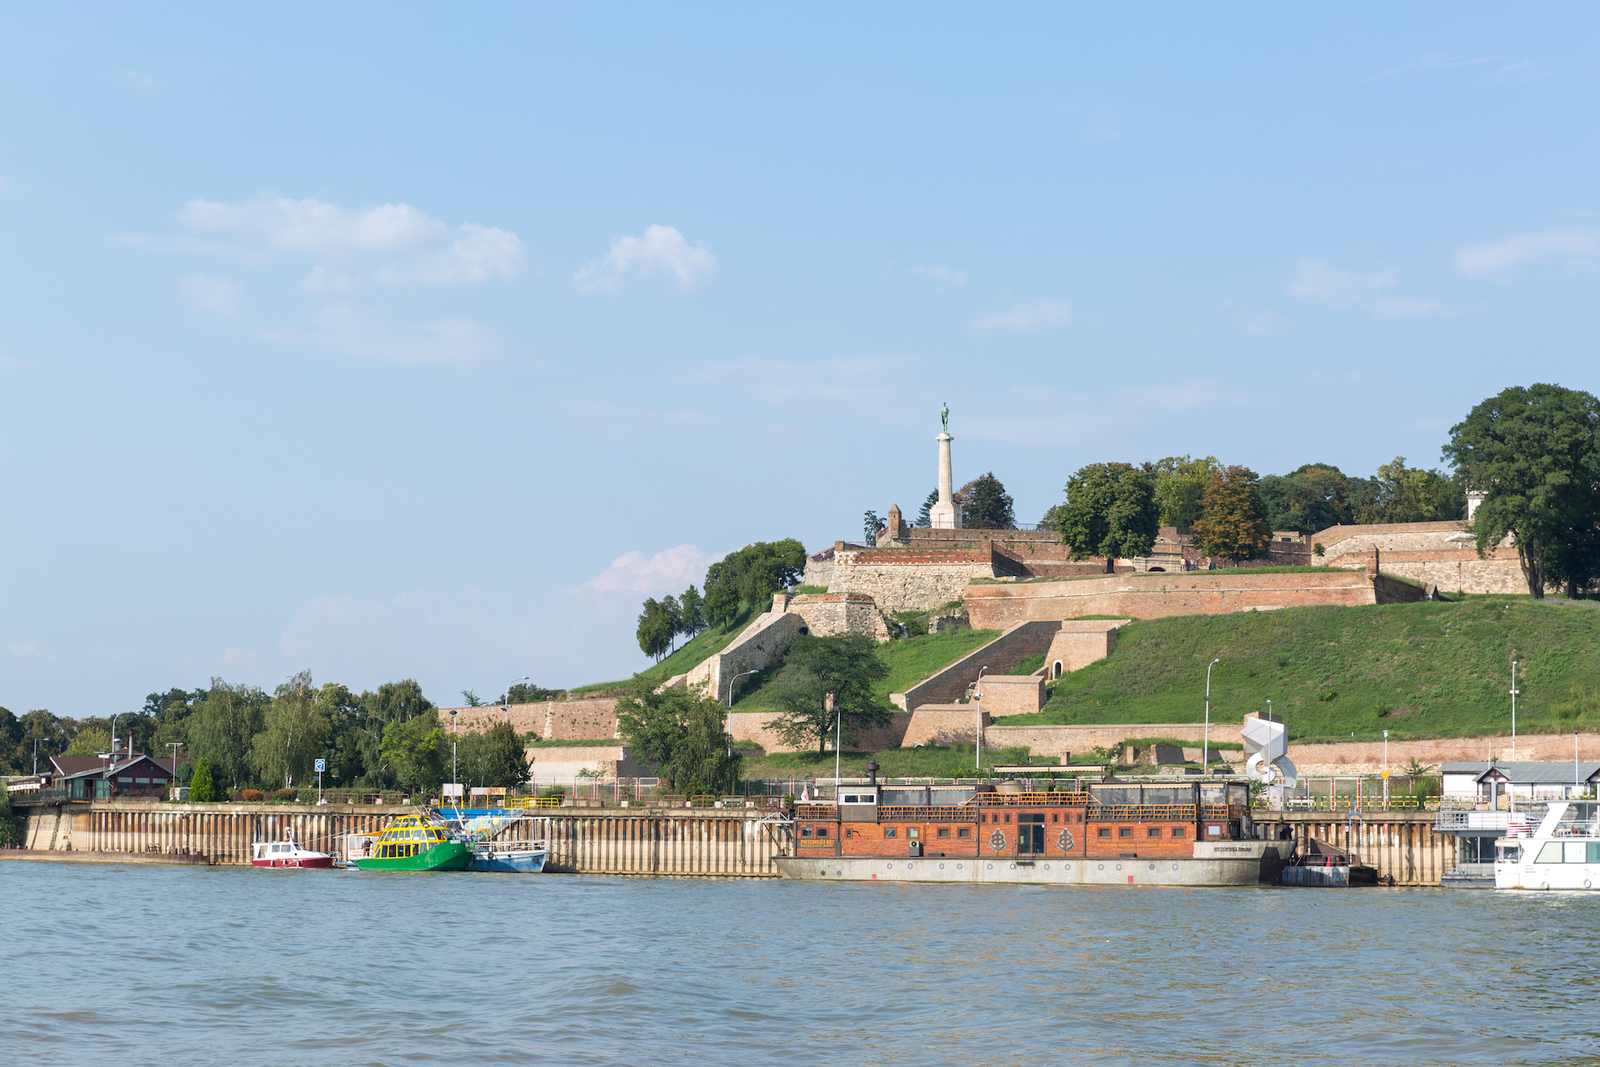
(390, 739)
(747, 577)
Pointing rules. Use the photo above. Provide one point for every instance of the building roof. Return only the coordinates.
(1464, 767)
(1542, 772)
(94, 766)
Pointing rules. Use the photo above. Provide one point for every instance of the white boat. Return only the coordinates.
(288, 853)
(1563, 852)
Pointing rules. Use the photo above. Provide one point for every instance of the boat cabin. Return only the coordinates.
(409, 835)
(1107, 820)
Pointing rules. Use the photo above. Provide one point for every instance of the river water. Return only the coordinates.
(112, 964)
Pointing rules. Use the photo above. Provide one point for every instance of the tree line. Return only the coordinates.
(747, 577)
(242, 737)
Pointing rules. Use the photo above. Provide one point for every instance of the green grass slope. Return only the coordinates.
(697, 650)
(1417, 670)
(910, 659)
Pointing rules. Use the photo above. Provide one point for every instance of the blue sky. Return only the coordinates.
(394, 341)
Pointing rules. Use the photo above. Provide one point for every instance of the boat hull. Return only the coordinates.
(307, 863)
(1579, 877)
(508, 861)
(1209, 871)
(447, 856)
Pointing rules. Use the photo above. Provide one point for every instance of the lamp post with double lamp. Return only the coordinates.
(455, 772)
(977, 699)
(36, 741)
(1386, 770)
(1205, 744)
(506, 707)
(1514, 711)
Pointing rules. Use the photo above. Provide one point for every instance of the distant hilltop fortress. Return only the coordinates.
(919, 568)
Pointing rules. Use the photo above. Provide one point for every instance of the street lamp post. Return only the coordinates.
(36, 741)
(455, 770)
(1386, 770)
(1513, 711)
(1205, 744)
(733, 687)
(977, 699)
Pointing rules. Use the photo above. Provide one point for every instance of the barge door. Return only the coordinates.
(1030, 833)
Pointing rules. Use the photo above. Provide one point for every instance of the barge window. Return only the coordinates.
(1105, 831)
(1055, 816)
(891, 831)
(911, 831)
(1124, 831)
(944, 831)
(822, 831)
(964, 831)
(1008, 818)
(1154, 831)
(805, 831)
(1180, 831)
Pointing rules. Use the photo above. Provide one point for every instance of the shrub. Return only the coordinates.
(201, 788)
(284, 796)
(250, 796)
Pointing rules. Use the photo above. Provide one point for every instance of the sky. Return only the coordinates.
(394, 341)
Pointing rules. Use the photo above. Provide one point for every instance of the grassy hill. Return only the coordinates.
(697, 650)
(910, 659)
(1417, 670)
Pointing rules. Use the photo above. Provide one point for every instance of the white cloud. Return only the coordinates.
(1317, 283)
(1487, 68)
(479, 254)
(1250, 320)
(1401, 307)
(214, 295)
(660, 253)
(324, 279)
(1562, 250)
(942, 277)
(668, 571)
(135, 79)
(1022, 315)
(316, 226)
(860, 381)
(353, 332)
(11, 363)
(30, 650)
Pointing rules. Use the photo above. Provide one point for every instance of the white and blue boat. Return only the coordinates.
(520, 855)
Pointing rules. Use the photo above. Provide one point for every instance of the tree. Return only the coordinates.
(750, 576)
(471, 698)
(722, 601)
(1310, 498)
(987, 505)
(223, 729)
(925, 516)
(1411, 494)
(847, 666)
(1110, 512)
(10, 833)
(681, 732)
(872, 526)
(1233, 516)
(671, 621)
(655, 630)
(1179, 481)
(415, 750)
(90, 742)
(294, 730)
(504, 758)
(201, 788)
(528, 693)
(1535, 452)
(691, 612)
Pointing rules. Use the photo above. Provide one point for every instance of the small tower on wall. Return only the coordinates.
(1474, 498)
(894, 527)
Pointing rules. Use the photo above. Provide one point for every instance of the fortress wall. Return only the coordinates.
(524, 718)
(761, 645)
(1013, 694)
(1080, 643)
(756, 727)
(829, 614)
(552, 720)
(945, 724)
(909, 579)
(1150, 596)
(1058, 741)
(950, 684)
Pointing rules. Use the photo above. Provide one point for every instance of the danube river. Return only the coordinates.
(151, 965)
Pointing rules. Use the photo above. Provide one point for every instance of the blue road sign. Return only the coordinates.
(322, 765)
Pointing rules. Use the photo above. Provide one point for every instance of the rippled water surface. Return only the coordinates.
(152, 965)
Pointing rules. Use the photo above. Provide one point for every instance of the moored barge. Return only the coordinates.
(1181, 834)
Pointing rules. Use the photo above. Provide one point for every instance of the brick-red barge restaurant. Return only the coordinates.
(1098, 833)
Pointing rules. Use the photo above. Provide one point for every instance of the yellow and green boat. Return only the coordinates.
(412, 843)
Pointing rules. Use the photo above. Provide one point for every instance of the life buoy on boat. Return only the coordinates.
(1586, 884)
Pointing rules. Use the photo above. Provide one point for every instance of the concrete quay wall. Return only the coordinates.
(595, 841)
(1401, 844)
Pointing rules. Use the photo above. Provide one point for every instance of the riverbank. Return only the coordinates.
(40, 855)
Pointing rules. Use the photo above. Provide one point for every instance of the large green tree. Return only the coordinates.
(655, 629)
(750, 576)
(1179, 481)
(222, 730)
(10, 829)
(1110, 512)
(986, 505)
(294, 731)
(1233, 521)
(415, 750)
(1535, 452)
(682, 733)
(848, 667)
(1308, 499)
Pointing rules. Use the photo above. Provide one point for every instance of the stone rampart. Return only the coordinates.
(551, 720)
(1012, 694)
(831, 614)
(756, 728)
(950, 684)
(1438, 554)
(1079, 643)
(563, 764)
(909, 579)
(1058, 741)
(1151, 596)
(761, 645)
(945, 724)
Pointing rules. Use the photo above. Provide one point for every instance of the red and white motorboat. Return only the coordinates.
(288, 854)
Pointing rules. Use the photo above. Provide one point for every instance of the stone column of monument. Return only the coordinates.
(945, 515)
